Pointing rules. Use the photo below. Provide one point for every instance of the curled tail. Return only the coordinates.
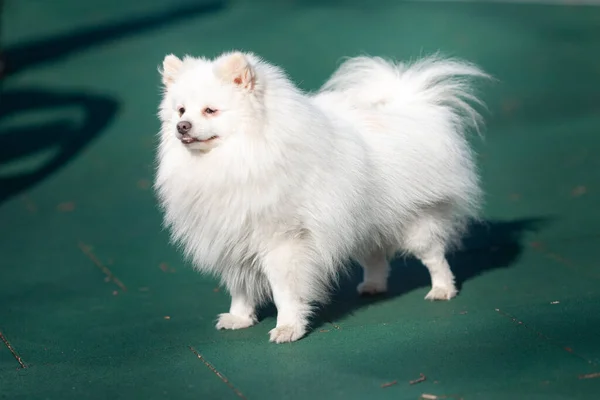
(373, 82)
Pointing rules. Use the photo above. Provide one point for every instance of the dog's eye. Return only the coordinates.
(181, 111)
(209, 110)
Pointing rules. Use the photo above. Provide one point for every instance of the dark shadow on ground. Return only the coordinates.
(2, 63)
(67, 134)
(20, 57)
(489, 245)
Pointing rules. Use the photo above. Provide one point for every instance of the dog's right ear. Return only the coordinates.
(170, 69)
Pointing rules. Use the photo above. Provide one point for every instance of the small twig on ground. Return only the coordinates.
(422, 378)
(590, 376)
(427, 396)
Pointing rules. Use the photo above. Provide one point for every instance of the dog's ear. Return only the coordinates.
(170, 69)
(235, 68)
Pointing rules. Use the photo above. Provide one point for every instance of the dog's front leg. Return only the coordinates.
(242, 313)
(294, 284)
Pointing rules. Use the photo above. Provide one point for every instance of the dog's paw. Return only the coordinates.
(230, 321)
(286, 333)
(441, 293)
(371, 288)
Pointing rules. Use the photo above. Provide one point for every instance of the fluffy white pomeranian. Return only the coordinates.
(273, 190)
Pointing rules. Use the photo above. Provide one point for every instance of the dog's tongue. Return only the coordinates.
(187, 139)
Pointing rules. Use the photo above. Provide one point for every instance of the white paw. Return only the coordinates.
(441, 293)
(372, 288)
(230, 321)
(286, 333)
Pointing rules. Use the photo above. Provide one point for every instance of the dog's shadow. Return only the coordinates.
(489, 245)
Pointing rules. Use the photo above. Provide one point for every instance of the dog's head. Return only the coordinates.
(207, 102)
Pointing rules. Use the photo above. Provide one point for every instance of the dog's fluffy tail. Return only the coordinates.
(373, 82)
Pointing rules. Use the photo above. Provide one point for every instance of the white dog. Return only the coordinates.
(273, 190)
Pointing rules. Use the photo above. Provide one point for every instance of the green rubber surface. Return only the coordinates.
(96, 304)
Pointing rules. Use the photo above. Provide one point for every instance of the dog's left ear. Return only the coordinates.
(170, 69)
(235, 68)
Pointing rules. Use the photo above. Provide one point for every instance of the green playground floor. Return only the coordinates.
(95, 303)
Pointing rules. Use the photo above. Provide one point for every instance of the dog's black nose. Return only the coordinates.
(184, 127)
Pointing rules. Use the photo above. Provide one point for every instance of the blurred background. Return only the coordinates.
(95, 303)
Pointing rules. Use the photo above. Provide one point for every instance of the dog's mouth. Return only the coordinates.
(187, 139)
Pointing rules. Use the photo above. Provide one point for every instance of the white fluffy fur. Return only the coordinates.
(295, 185)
